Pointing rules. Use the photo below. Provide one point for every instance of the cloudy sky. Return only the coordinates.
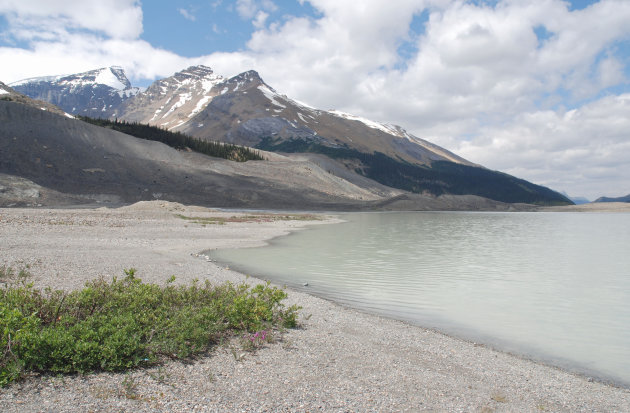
(536, 88)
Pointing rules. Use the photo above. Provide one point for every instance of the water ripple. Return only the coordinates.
(552, 285)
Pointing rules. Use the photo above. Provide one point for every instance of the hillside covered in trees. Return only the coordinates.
(178, 140)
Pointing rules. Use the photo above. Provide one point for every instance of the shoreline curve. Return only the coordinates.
(342, 359)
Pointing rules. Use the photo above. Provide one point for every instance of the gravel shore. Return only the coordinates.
(340, 360)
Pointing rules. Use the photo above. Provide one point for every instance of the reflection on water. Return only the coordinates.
(554, 286)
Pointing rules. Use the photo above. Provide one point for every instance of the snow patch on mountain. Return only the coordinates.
(370, 123)
(183, 98)
(209, 83)
(38, 79)
(399, 132)
(107, 77)
(127, 93)
(4, 92)
(113, 77)
(302, 118)
(271, 95)
(203, 102)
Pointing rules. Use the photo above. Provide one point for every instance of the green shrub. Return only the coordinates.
(118, 325)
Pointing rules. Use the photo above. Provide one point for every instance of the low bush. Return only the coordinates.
(118, 325)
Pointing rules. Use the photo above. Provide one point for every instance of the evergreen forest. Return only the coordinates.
(178, 140)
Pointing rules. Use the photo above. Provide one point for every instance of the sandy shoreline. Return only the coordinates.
(591, 207)
(341, 360)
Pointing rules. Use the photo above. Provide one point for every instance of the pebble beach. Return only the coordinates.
(339, 360)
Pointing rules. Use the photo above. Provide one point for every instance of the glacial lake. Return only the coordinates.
(554, 287)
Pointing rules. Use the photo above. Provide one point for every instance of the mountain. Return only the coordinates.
(49, 158)
(172, 101)
(245, 110)
(8, 94)
(52, 159)
(619, 199)
(96, 93)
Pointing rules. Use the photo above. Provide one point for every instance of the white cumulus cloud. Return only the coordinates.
(114, 18)
(248, 9)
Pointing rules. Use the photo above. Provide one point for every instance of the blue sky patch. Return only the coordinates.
(542, 34)
(194, 28)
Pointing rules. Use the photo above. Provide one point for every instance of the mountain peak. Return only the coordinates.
(250, 76)
(246, 80)
(113, 76)
(199, 72)
(94, 93)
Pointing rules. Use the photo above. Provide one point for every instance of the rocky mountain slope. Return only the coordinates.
(173, 101)
(244, 110)
(96, 93)
(51, 159)
(93, 164)
(8, 94)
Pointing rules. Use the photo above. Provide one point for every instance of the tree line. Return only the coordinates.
(178, 140)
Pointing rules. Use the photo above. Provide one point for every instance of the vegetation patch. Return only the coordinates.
(125, 323)
(179, 140)
(250, 218)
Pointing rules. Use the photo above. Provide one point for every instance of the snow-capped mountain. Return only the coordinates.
(96, 93)
(245, 110)
(172, 101)
(242, 109)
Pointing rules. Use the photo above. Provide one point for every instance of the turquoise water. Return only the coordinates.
(551, 286)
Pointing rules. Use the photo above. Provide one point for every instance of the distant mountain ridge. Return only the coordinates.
(619, 199)
(96, 93)
(183, 102)
(8, 94)
(244, 110)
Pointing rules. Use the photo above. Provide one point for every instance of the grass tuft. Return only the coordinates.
(250, 218)
(125, 323)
